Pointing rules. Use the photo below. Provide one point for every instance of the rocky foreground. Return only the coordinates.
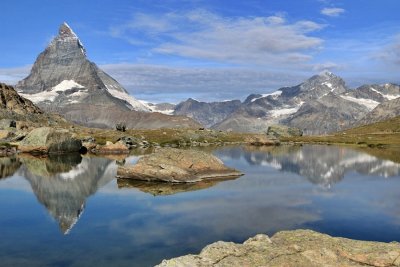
(293, 248)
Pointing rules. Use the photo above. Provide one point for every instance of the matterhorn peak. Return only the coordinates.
(66, 31)
(67, 39)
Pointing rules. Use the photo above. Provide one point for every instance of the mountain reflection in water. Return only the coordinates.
(164, 189)
(62, 183)
(323, 165)
(334, 190)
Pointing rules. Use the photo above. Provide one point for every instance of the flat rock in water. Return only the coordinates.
(293, 249)
(261, 140)
(111, 148)
(177, 166)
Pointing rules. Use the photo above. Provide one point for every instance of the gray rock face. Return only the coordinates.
(330, 113)
(384, 111)
(293, 248)
(207, 114)
(376, 92)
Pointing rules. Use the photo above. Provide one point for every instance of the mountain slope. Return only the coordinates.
(383, 111)
(17, 108)
(10, 100)
(207, 114)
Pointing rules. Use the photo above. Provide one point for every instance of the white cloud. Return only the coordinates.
(331, 66)
(203, 35)
(332, 11)
(12, 75)
(391, 52)
(174, 84)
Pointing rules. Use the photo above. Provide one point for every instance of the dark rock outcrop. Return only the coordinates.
(177, 166)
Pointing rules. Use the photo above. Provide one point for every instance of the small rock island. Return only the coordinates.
(177, 166)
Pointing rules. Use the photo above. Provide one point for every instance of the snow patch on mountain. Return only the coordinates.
(55, 91)
(369, 103)
(388, 97)
(66, 85)
(274, 95)
(76, 171)
(276, 113)
(136, 105)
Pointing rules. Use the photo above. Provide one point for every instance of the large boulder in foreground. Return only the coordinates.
(46, 140)
(177, 166)
(293, 248)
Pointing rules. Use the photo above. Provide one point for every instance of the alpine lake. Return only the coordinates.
(70, 210)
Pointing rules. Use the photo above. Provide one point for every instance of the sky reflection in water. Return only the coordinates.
(70, 211)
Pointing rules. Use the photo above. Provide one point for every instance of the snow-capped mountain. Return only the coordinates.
(62, 75)
(319, 105)
(64, 81)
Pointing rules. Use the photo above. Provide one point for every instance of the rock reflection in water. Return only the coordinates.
(323, 165)
(8, 166)
(63, 183)
(162, 189)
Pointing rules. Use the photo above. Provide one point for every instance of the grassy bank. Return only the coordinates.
(381, 134)
(162, 136)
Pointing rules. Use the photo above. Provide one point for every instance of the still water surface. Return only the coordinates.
(71, 211)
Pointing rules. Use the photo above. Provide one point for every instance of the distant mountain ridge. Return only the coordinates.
(321, 104)
(64, 81)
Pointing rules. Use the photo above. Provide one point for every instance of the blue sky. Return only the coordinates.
(168, 50)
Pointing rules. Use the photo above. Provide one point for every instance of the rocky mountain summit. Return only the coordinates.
(321, 104)
(64, 81)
